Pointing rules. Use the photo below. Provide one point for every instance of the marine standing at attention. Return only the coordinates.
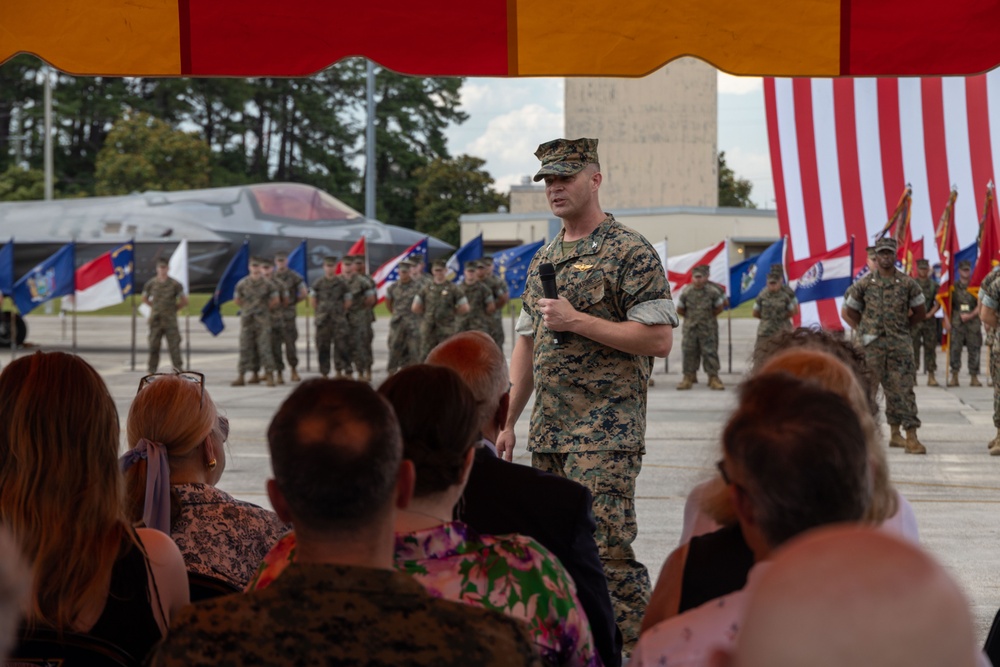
(614, 312)
(774, 307)
(700, 303)
(293, 290)
(330, 299)
(256, 296)
(440, 302)
(404, 326)
(165, 296)
(925, 333)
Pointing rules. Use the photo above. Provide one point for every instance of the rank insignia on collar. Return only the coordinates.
(583, 267)
(594, 245)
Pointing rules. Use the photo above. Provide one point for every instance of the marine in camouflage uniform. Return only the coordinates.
(267, 267)
(700, 303)
(256, 296)
(440, 302)
(404, 326)
(360, 317)
(480, 298)
(164, 296)
(989, 333)
(989, 301)
(925, 333)
(501, 296)
(293, 290)
(588, 422)
(774, 308)
(966, 329)
(329, 298)
(882, 306)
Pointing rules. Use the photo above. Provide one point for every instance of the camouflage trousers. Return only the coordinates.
(432, 333)
(331, 336)
(255, 344)
(404, 343)
(360, 335)
(995, 374)
(285, 334)
(700, 347)
(890, 362)
(971, 338)
(158, 328)
(610, 477)
(496, 328)
(925, 337)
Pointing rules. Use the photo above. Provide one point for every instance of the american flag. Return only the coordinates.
(388, 273)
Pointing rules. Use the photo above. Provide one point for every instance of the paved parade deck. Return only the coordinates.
(955, 489)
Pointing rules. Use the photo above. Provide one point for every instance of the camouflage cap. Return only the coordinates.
(330, 261)
(701, 270)
(964, 264)
(406, 263)
(485, 260)
(357, 259)
(266, 262)
(256, 260)
(885, 244)
(777, 270)
(280, 255)
(923, 264)
(565, 157)
(162, 262)
(472, 265)
(871, 251)
(439, 264)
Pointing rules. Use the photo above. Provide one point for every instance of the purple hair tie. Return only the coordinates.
(156, 510)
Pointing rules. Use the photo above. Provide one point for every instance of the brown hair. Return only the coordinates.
(61, 495)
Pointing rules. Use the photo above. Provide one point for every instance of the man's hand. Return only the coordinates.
(558, 314)
(505, 444)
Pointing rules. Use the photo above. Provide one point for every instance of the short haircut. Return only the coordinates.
(335, 451)
(437, 417)
(480, 363)
(802, 453)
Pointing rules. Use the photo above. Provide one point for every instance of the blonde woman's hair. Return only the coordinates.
(174, 413)
(61, 495)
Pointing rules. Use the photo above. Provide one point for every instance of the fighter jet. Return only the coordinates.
(272, 216)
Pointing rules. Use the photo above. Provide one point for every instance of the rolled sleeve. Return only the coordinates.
(918, 300)
(988, 301)
(657, 311)
(854, 304)
(524, 326)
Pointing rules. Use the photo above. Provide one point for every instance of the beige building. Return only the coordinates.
(659, 158)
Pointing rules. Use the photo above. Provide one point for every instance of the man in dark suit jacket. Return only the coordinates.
(503, 497)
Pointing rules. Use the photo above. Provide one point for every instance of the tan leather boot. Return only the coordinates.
(953, 379)
(279, 378)
(687, 382)
(294, 377)
(995, 444)
(238, 382)
(652, 382)
(931, 382)
(974, 381)
(913, 446)
(254, 379)
(715, 383)
(896, 438)
(269, 378)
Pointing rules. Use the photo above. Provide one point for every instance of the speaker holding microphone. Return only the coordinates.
(547, 274)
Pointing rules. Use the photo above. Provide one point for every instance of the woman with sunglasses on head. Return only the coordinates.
(61, 497)
(175, 459)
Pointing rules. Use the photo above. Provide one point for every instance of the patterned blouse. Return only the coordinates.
(511, 574)
(221, 536)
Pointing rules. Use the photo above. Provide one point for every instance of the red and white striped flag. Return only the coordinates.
(679, 267)
(843, 149)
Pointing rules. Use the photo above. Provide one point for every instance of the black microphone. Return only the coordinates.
(547, 273)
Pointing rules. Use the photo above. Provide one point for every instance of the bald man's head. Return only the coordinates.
(854, 596)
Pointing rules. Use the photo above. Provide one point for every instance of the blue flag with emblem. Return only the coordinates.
(512, 266)
(7, 268)
(471, 250)
(211, 314)
(297, 261)
(970, 253)
(748, 278)
(56, 276)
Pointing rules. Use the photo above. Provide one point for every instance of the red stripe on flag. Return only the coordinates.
(774, 144)
(981, 153)
(812, 204)
(850, 174)
(94, 272)
(935, 145)
(893, 178)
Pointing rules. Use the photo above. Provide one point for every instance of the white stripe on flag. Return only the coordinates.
(827, 163)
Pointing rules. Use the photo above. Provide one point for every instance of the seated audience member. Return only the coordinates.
(62, 498)
(551, 509)
(715, 560)
(13, 590)
(176, 457)
(854, 596)
(511, 574)
(794, 458)
(340, 478)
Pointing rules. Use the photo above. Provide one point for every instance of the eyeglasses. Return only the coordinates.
(190, 376)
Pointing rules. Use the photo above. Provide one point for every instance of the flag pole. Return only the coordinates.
(729, 312)
(132, 298)
(308, 344)
(187, 332)
(13, 330)
(666, 271)
(74, 325)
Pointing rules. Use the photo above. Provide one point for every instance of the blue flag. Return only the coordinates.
(512, 266)
(7, 268)
(297, 261)
(970, 253)
(123, 259)
(54, 277)
(471, 250)
(211, 314)
(748, 278)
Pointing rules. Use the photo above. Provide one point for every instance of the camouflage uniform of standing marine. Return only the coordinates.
(989, 300)
(256, 296)
(440, 302)
(774, 307)
(404, 326)
(924, 333)
(699, 303)
(292, 291)
(480, 298)
(501, 296)
(330, 299)
(164, 296)
(589, 417)
(360, 318)
(879, 307)
(966, 328)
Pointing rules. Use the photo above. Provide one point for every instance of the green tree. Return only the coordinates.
(733, 191)
(447, 188)
(145, 153)
(17, 184)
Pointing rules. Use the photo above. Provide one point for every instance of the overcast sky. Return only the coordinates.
(508, 118)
